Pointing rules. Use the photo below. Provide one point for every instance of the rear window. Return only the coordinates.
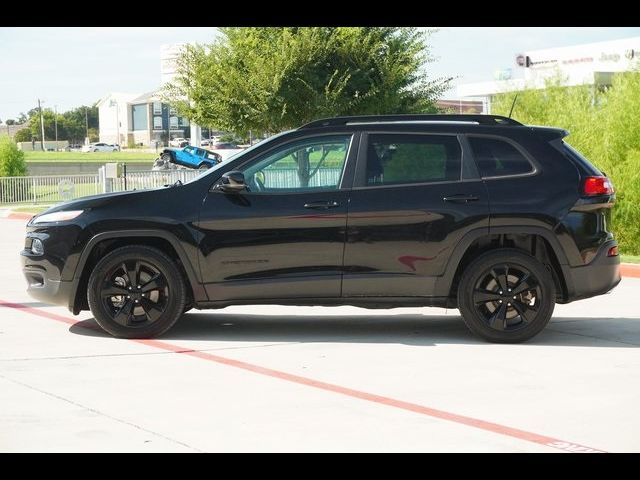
(497, 158)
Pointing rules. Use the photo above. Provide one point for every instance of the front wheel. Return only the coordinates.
(136, 292)
(506, 296)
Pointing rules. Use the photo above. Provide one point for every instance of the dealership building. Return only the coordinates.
(586, 64)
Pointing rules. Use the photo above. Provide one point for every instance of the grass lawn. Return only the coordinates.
(31, 209)
(630, 258)
(90, 157)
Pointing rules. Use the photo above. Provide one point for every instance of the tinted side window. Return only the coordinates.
(397, 159)
(497, 158)
(313, 163)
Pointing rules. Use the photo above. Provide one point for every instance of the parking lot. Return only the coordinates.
(270, 378)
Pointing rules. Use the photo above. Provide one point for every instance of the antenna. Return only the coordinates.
(513, 105)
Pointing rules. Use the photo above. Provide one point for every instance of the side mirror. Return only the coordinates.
(232, 182)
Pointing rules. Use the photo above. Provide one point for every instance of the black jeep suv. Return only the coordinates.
(478, 212)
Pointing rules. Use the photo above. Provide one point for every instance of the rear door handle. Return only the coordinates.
(321, 205)
(461, 198)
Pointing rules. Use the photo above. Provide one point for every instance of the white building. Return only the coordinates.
(142, 119)
(586, 64)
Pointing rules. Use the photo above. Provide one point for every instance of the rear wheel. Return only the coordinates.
(506, 296)
(136, 292)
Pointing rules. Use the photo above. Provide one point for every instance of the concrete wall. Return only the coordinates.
(78, 168)
(31, 147)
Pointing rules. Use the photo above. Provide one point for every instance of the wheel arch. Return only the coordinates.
(536, 241)
(105, 242)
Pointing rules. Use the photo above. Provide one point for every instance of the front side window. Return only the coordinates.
(409, 158)
(497, 158)
(309, 164)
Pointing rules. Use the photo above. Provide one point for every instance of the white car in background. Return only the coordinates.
(100, 147)
(178, 142)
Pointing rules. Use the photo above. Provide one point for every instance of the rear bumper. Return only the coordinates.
(598, 277)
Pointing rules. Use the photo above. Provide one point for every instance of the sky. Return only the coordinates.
(74, 66)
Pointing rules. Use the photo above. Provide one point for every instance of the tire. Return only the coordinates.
(494, 314)
(132, 312)
(203, 166)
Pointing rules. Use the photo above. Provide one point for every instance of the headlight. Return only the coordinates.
(57, 216)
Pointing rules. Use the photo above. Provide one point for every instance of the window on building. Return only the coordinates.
(184, 122)
(157, 123)
(139, 117)
(497, 158)
(405, 158)
(172, 111)
(173, 122)
(157, 108)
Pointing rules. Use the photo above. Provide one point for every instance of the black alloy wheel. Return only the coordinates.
(506, 296)
(136, 292)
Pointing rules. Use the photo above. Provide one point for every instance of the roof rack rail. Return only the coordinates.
(479, 119)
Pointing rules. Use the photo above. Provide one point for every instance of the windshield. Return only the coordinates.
(237, 155)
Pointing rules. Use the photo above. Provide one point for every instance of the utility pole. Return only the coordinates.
(86, 123)
(41, 125)
(56, 124)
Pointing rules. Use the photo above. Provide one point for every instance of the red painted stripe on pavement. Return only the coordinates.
(330, 387)
(19, 216)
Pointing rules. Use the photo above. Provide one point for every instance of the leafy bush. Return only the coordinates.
(23, 135)
(12, 162)
(604, 127)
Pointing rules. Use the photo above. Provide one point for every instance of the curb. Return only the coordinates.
(630, 270)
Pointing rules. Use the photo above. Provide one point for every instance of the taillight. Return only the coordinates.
(613, 252)
(597, 186)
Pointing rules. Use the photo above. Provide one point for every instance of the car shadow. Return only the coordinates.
(419, 330)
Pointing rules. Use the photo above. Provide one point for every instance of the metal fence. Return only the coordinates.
(47, 188)
(288, 177)
(59, 188)
(152, 179)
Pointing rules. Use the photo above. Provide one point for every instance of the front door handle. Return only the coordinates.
(461, 198)
(321, 205)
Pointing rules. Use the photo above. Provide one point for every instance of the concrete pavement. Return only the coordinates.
(271, 378)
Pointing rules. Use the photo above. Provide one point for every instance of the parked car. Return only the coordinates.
(100, 147)
(190, 156)
(475, 212)
(178, 142)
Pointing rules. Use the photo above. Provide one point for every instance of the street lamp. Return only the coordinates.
(114, 103)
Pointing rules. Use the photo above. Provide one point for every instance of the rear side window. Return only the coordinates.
(399, 159)
(497, 158)
(578, 158)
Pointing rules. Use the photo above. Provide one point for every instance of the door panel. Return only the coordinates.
(261, 246)
(400, 237)
(285, 237)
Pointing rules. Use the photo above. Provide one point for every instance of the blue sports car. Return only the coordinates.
(191, 156)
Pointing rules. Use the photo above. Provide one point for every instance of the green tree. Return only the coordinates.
(23, 135)
(12, 162)
(269, 79)
(604, 127)
(10, 121)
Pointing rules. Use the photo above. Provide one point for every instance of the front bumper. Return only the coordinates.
(40, 286)
(600, 276)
